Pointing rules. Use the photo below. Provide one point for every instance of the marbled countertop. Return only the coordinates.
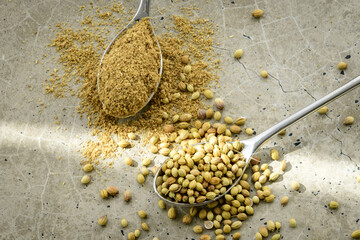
(299, 42)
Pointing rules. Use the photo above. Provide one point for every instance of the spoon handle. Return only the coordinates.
(140, 13)
(260, 139)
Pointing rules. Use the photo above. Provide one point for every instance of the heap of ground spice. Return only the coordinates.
(79, 55)
(129, 72)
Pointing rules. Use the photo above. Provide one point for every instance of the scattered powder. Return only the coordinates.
(79, 54)
(130, 71)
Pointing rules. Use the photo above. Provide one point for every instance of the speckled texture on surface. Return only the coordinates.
(299, 42)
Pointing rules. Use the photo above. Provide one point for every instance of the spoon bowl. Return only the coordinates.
(251, 145)
(142, 12)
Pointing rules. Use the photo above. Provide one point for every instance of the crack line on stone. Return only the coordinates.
(343, 153)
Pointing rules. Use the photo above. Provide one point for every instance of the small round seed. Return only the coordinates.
(187, 69)
(172, 213)
(137, 233)
(295, 186)
(349, 120)
(124, 222)
(131, 236)
(217, 116)
(342, 65)
(292, 222)
(228, 120)
(249, 131)
(258, 236)
(257, 13)
(238, 53)
(185, 59)
(323, 110)
(104, 194)
(128, 161)
(103, 220)
(132, 136)
(142, 214)
(198, 229)
(276, 237)
(333, 205)
(264, 74)
(161, 204)
(284, 200)
(112, 190)
(144, 226)
(140, 178)
(85, 179)
(127, 195)
(236, 236)
(356, 234)
(88, 167)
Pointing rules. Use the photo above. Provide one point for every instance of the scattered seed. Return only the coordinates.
(142, 214)
(277, 225)
(104, 194)
(187, 219)
(295, 186)
(240, 121)
(198, 229)
(292, 222)
(219, 103)
(195, 95)
(103, 220)
(264, 74)
(172, 213)
(112, 190)
(283, 165)
(274, 154)
(228, 120)
(131, 236)
(270, 226)
(333, 205)
(356, 234)
(217, 116)
(249, 131)
(132, 136)
(236, 236)
(85, 179)
(342, 65)
(258, 236)
(185, 59)
(124, 222)
(257, 13)
(209, 113)
(276, 237)
(137, 233)
(128, 161)
(238, 53)
(205, 237)
(349, 120)
(144, 226)
(323, 110)
(208, 94)
(88, 167)
(284, 200)
(161, 204)
(140, 178)
(127, 196)
(187, 69)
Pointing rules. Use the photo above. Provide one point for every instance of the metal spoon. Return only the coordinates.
(142, 12)
(253, 144)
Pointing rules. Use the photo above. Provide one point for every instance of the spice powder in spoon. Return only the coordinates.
(129, 72)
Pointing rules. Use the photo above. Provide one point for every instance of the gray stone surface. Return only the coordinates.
(299, 42)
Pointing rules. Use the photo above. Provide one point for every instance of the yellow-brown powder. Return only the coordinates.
(130, 71)
(80, 52)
